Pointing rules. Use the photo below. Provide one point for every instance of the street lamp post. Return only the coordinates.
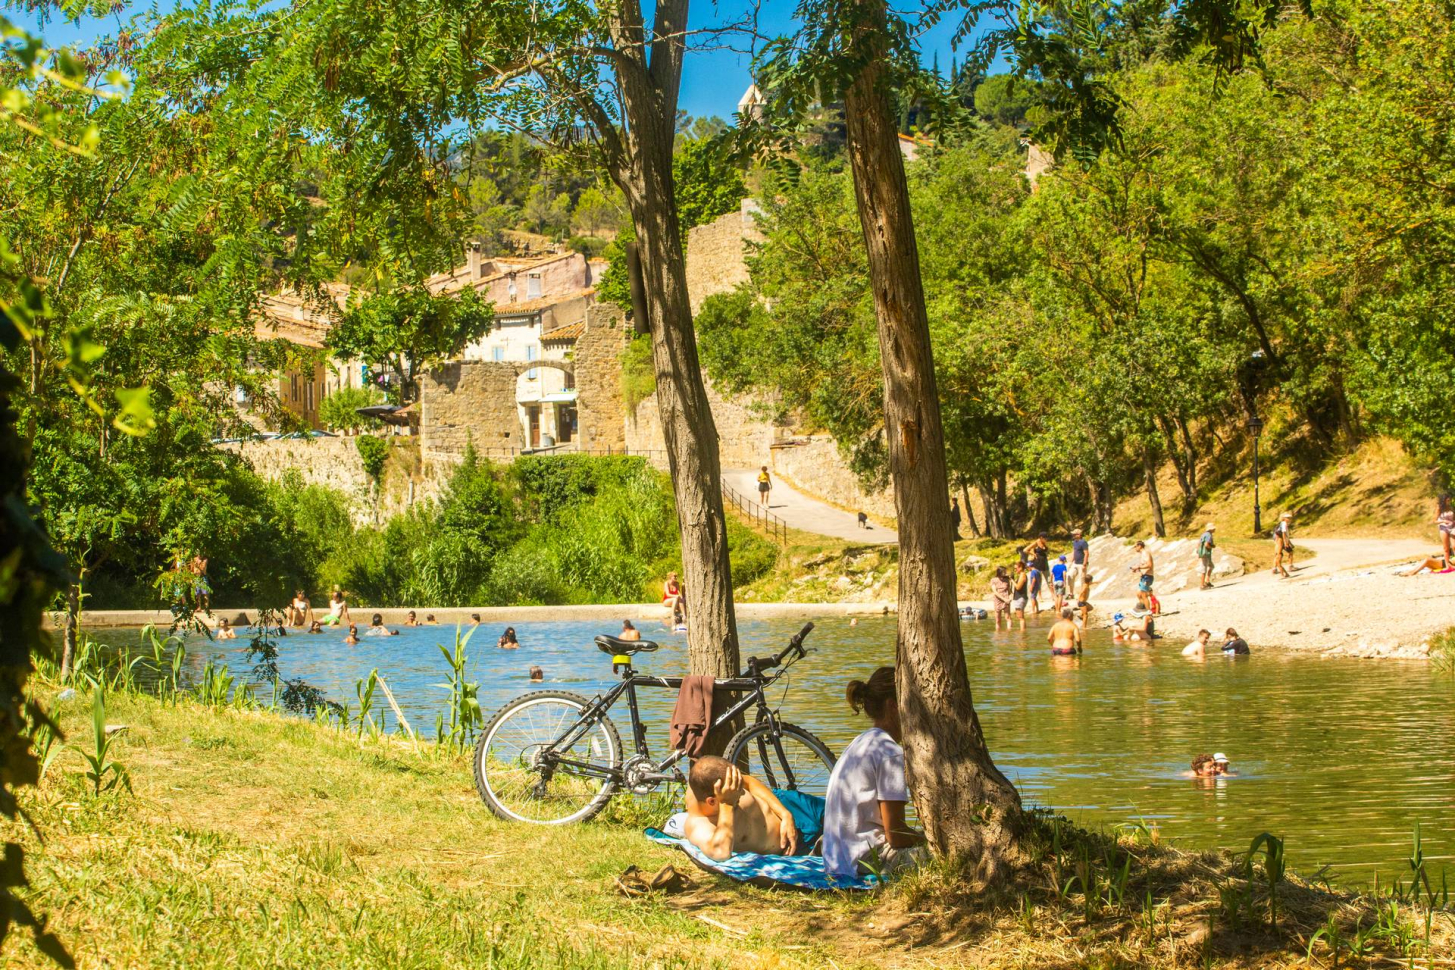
(1255, 425)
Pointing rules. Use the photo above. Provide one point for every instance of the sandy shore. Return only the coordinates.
(449, 616)
(1346, 601)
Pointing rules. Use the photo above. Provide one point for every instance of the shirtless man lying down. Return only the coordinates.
(728, 811)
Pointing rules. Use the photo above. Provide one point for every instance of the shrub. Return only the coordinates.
(1442, 650)
(638, 372)
(375, 452)
(551, 485)
(752, 556)
(339, 411)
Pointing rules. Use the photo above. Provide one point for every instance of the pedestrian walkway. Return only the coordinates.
(807, 514)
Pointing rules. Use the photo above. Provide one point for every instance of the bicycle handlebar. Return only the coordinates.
(795, 644)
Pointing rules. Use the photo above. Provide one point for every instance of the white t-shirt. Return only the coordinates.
(870, 771)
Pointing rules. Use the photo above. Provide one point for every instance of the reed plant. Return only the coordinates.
(364, 688)
(455, 729)
(104, 772)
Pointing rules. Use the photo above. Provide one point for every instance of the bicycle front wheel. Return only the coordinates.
(788, 758)
(520, 783)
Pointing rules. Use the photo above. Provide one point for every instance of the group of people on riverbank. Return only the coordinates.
(1069, 580)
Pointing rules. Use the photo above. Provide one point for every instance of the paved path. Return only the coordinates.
(804, 513)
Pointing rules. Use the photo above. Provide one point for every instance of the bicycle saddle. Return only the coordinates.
(619, 647)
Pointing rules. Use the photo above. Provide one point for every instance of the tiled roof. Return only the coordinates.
(286, 316)
(540, 303)
(459, 277)
(569, 332)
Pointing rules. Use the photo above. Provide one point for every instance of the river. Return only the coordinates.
(1340, 758)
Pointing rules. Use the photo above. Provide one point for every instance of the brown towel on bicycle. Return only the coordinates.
(693, 715)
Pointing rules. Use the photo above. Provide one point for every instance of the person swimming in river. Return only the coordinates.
(629, 632)
(378, 629)
(1234, 645)
(507, 640)
(317, 627)
(537, 675)
(1065, 636)
(225, 630)
(1197, 649)
(412, 620)
(1210, 766)
(353, 636)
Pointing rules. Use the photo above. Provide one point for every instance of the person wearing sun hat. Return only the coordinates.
(1283, 544)
(1205, 547)
(1220, 761)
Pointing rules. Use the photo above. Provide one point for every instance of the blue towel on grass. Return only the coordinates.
(798, 871)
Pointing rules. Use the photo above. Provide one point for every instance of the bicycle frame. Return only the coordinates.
(751, 688)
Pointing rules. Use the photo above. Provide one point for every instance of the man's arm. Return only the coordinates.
(787, 828)
(896, 830)
(719, 844)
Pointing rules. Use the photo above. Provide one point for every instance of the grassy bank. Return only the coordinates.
(255, 840)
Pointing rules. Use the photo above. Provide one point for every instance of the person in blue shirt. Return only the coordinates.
(1058, 581)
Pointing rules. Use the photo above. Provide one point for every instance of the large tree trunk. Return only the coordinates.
(1149, 474)
(949, 765)
(640, 161)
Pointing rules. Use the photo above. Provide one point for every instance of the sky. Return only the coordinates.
(712, 82)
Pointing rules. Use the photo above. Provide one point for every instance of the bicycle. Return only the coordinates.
(553, 757)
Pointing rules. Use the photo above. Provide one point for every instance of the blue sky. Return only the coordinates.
(712, 81)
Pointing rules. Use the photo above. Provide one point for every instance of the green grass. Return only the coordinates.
(256, 840)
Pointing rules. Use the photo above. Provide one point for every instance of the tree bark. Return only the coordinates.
(949, 764)
(639, 159)
(71, 631)
(1101, 505)
(1191, 452)
(1149, 474)
(1186, 481)
(969, 509)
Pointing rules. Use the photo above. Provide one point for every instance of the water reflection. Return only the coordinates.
(1339, 757)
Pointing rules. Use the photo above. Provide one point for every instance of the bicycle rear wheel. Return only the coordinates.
(521, 786)
(790, 758)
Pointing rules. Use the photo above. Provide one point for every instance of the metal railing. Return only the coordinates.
(758, 514)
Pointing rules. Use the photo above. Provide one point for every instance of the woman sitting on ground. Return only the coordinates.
(507, 640)
(864, 826)
(629, 632)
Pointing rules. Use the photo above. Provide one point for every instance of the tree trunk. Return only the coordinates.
(1101, 505)
(969, 509)
(948, 763)
(639, 158)
(1186, 481)
(72, 629)
(1191, 452)
(1149, 474)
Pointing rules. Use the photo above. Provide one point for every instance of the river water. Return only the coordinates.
(1338, 757)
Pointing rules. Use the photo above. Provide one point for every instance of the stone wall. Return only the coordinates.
(813, 464)
(469, 402)
(335, 463)
(743, 436)
(597, 356)
(715, 253)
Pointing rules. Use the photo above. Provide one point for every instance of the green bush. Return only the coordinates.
(638, 372)
(551, 485)
(1442, 650)
(752, 556)
(375, 452)
(339, 411)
